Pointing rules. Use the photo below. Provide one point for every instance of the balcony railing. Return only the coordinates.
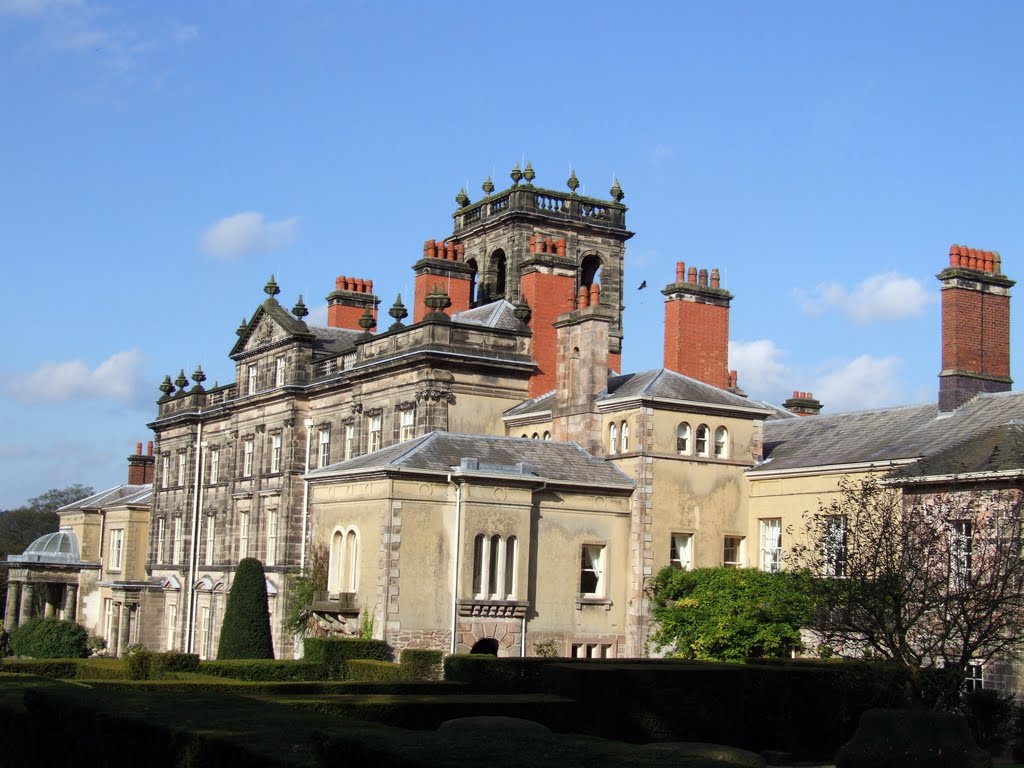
(546, 202)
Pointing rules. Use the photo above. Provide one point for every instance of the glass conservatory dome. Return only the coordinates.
(59, 547)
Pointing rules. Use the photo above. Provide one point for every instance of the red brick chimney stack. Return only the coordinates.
(975, 327)
(443, 263)
(697, 326)
(348, 301)
(802, 404)
(140, 467)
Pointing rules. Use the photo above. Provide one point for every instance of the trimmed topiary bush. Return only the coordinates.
(175, 661)
(336, 651)
(245, 633)
(266, 670)
(50, 639)
(422, 664)
(912, 738)
(138, 663)
(371, 671)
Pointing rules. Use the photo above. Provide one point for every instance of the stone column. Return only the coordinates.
(71, 602)
(122, 630)
(50, 611)
(11, 613)
(27, 595)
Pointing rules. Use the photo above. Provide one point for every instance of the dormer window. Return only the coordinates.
(279, 372)
(252, 373)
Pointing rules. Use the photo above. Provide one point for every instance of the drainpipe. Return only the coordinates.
(455, 571)
(308, 424)
(197, 496)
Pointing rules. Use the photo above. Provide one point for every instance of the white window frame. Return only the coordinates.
(279, 371)
(350, 440)
(407, 425)
(702, 438)
(684, 438)
(252, 379)
(961, 552)
(495, 567)
(178, 544)
(771, 544)
(248, 449)
(161, 525)
(613, 438)
(374, 434)
(721, 448)
(171, 628)
(834, 529)
(593, 567)
(323, 442)
(165, 471)
(243, 534)
(974, 676)
(211, 540)
(214, 476)
(624, 437)
(116, 549)
(733, 545)
(275, 452)
(108, 619)
(272, 536)
(182, 468)
(680, 554)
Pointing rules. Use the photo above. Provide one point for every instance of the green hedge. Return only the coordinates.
(50, 639)
(174, 661)
(423, 664)
(264, 670)
(335, 652)
(370, 670)
(894, 738)
(490, 673)
(55, 669)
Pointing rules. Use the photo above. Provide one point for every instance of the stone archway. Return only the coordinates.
(486, 646)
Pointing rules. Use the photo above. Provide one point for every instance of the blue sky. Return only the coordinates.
(158, 161)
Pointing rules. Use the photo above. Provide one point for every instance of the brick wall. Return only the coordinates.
(549, 292)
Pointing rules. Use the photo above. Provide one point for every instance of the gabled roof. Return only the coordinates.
(883, 435)
(997, 449)
(272, 309)
(665, 384)
(121, 495)
(539, 404)
(497, 314)
(442, 451)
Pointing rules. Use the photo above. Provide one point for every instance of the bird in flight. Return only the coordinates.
(642, 285)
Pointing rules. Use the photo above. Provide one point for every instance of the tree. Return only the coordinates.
(729, 614)
(55, 498)
(245, 633)
(926, 580)
(300, 619)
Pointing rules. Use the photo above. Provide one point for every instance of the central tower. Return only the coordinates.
(538, 246)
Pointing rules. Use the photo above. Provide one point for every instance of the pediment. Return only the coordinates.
(270, 325)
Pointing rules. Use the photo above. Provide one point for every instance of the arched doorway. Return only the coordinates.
(486, 646)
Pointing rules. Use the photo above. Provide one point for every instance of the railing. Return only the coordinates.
(335, 602)
(544, 201)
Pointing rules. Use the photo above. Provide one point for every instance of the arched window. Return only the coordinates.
(472, 281)
(721, 443)
(536, 436)
(511, 551)
(702, 440)
(492, 571)
(625, 437)
(683, 439)
(348, 583)
(343, 561)
(526, 436)
(613, 438)
(478, 563)
(494, 567)
(496, 270)
(590, 270)
(547, 435)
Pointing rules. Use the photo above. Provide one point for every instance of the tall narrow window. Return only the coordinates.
(771, 544)
(613, 438)
(479, 553)
(494, 568)
(108, 619)
(702, 440)
(204, 632)
(324, 446)
(279, 371)
(214, 476)
(160, 531)
(252, 373)
(343, 564)
(679, 555)
(247, 454)
(243, 535)
(211, 539)
(275, 453)
(350, 440)
(732, 552)
(961, 551)
(178, 543)
(349, 565)
(683, 439)
(511, 553)
(834, 540)
(721, 443)
(116, 549)
(172, 621)
(165, 471)
(374, 438)
(182, 467)
(547, 435)
(974, 677)
(408, 425)
(592, 570)
(272, 537)
(334, 563)
(625, 436)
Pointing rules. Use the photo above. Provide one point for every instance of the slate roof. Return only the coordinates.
(440, 451)
(669, 385)
(998, 449)
(887, 434)
(118, 496)
(497, 314)
(333, 341)
(539, 404)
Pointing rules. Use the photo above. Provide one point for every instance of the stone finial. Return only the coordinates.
(437, 302)
(529, 175)
(488, 186)
(271, 288)
(299, 310)
(181, 382)
(198, 377)
(241, 329)
(462, 198)
(573, 183)
(616, 192)
(522, 311)
(166, 387)
(366, 321)
(399, 313)
(516, 175)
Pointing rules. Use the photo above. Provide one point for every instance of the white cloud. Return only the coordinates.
(886, 296)
(117, 378)
(246, 233)
(758, 365)
(28, 8)
(865, 382)
(318, 316)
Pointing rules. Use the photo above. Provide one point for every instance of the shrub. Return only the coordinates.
(245, 633)
(371, 671)
(50, 639)
(990, 717)
(138, 663)
(96, 645)
(905, 738)
(336, 651)
(56, 669)
(422, 664)
(266, 670)
(175, 661)
(489, 673)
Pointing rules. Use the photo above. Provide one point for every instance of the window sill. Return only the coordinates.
(583, 600)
